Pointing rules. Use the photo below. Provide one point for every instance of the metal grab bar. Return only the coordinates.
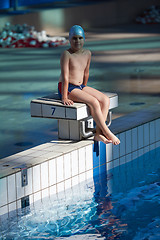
(88, 132)
(83, 131)
(109, 118)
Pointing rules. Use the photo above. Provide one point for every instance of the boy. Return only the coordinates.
(75, 63)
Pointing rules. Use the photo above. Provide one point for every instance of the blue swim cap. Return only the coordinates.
(76, 30)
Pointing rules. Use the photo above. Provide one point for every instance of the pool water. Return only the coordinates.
(123, 203)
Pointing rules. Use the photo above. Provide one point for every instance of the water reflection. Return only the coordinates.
(94, 210)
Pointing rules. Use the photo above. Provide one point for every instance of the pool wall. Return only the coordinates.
(54, 167)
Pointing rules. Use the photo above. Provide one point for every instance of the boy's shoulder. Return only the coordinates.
(87, 51)
(66, 52)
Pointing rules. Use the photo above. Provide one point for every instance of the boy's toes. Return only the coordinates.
(117, 142)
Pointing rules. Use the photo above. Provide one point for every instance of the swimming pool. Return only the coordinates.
(122, 203)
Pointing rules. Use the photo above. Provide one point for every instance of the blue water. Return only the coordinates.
(123, 203)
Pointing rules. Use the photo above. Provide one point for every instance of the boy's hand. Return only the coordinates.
(67, 101)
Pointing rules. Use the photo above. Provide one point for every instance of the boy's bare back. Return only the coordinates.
(75, 65)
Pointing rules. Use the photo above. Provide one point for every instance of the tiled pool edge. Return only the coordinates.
(139, 133)
(134, 143)
(53, 175)
(85, 160)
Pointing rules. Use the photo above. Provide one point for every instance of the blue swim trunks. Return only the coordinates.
(70, 88)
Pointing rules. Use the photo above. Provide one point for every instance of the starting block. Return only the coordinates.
(75, 121)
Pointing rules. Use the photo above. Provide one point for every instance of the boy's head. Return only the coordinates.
(76, 30)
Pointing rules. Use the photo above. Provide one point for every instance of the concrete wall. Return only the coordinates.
(103, 14)
(106, 14)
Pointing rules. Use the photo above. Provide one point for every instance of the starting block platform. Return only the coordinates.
(74, 121)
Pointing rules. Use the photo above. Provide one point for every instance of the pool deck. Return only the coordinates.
(125, 60)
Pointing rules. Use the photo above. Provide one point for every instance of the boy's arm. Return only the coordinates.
(86, 72)
(65, 78)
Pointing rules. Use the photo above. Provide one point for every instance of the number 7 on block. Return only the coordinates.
(53, 110)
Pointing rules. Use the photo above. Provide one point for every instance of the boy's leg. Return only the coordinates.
(103, 100)
(104, 103)
(95, 108)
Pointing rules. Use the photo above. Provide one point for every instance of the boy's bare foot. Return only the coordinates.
(113, 139)
(99, 137)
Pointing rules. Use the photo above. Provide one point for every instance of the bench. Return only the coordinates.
(75, 121)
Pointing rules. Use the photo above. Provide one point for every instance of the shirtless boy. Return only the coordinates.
(75, 63)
